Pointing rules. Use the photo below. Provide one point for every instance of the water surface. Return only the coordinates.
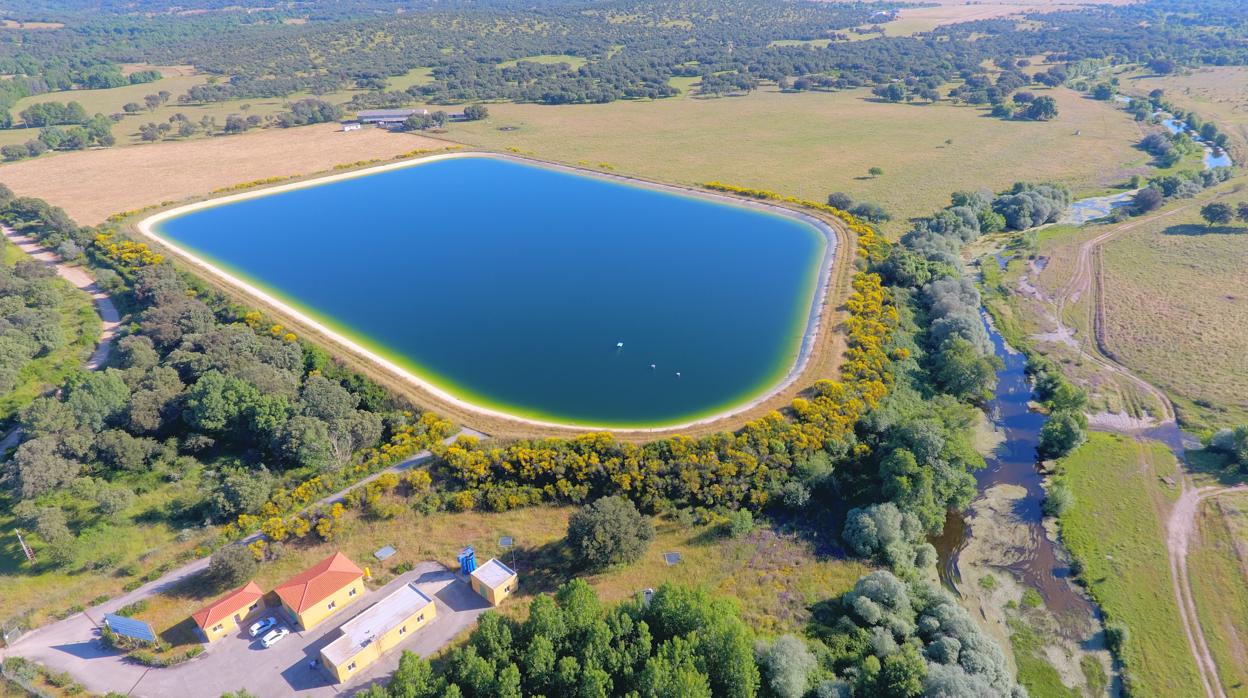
(511, 286)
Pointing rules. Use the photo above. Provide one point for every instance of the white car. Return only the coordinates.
(274, 637)
(260, 627)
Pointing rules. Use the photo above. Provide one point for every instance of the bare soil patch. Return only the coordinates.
(92, 185)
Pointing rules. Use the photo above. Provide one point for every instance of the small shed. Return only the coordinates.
(494, 581)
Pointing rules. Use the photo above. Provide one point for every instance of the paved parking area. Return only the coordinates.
(240, 662)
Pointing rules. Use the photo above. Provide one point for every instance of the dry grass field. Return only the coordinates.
(1176, 305)
(1217, 94)
(812, 144)
(92, 185)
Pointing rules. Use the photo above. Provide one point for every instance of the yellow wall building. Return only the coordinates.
(377, 630)
(226, 614)
(494, 581)
(321, 590)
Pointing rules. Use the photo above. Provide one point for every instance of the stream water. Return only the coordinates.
(1014, 462)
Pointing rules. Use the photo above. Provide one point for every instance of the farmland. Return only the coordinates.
(92, 185)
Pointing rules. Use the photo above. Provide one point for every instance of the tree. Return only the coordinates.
(1062, 433)
(38, 467)
(1041, 109)
(787, 665)
(841, 200)
(1241, 211)
(1103, 91)
(609, 531)
(231, 566)
(1147, 199)
(1217, 213)
(475, 112)
(740, 523)
(876, 171)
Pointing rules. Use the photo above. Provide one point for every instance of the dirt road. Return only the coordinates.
(80, 279)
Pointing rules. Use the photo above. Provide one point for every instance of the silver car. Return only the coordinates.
(261, 627)
(274, 637)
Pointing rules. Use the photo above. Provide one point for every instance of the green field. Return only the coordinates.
(80, 324)
(811, 144)
(548, 59)
(1175, 310)
(1115, 529)
(1218, 567)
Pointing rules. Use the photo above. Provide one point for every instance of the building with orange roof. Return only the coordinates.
(321, 590)
(228, 613)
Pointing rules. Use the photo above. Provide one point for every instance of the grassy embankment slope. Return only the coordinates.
(1218, 567)
(808, 145)
(1115, 529)
(774, 577)
(1175, 309)
(81, 326)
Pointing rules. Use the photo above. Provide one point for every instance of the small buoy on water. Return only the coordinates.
(619, 345)
(652, 366)
(678, 374)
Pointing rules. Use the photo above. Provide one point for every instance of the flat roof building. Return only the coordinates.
(379, 629)
(226, 614)
(387, 117)
(494, 581)
(319, 591)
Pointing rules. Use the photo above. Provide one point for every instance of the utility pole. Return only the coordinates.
(30, 554)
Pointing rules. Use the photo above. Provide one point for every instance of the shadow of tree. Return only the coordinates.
(1196, 230)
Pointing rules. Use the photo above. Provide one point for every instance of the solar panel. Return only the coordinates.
(505, 542)
(385, 553)
(129, 627)
(671, 558)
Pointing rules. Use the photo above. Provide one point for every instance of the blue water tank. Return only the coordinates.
(468, 560)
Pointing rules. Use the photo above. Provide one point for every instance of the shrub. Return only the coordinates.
(1058, 499)
(740, 523)
(609, 531)
(232, 565)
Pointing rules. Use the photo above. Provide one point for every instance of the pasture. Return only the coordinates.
(1175, 309)
(1217, 94)
(809, 145)
(1115, 529)
(177, 80)
(1218, 568)
(92, 185)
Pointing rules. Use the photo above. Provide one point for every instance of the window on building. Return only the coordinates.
(403, 629)
(422, 617)
(253, 607)
(351, 666)
(333, 605)
(507, 589)
(352, 592)
(217, 628)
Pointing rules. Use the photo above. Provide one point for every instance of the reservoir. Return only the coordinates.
(529, 290)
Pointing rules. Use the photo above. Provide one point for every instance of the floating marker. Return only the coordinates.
(619, 345)
(651, 366)
(678, 374)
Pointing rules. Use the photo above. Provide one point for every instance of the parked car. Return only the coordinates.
(261, 627)
(274, 637)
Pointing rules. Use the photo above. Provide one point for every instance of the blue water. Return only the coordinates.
(510, 285)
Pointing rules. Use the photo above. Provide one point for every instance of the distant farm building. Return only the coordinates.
(494, 581)
(351, 126)
(388, 118)
(226, 614)
(379, 629)
(319, 591)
